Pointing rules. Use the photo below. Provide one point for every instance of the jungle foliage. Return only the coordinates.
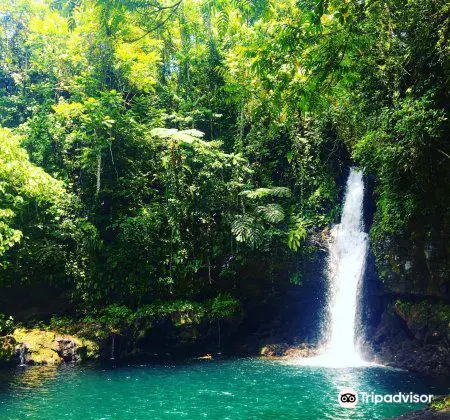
(158, 150)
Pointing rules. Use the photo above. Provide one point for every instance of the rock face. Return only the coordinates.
(417, 262)
(427, 322)
(413, 336)
(67, 349)
(174, 336)
(405, 312)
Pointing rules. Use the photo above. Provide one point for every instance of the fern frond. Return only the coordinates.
(223, 20)
(243, 5)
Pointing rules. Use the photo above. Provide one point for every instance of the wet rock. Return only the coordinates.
(409, 342)
(303, 350)
(285, 350)
(39, 345)
(22, 354)
(7, 349)
(274, 350)
(43, 347)
(423, 415)
(67, 349)
(426, 321)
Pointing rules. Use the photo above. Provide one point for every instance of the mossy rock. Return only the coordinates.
(427, 321)
(42, 345)
(7, 349)
(441, 403)
(186, 317)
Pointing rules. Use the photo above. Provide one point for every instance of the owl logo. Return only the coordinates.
(348, 398)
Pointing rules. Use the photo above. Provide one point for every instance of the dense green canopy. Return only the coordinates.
(161, 149)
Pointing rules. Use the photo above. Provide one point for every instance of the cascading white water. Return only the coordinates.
(73, 351)
(347, 257)
(22, 355)
(112, 347)
(348, 250)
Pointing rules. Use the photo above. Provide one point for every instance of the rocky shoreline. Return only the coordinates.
(432, 359)
(44, 347)
(175, 335)
(35, 346)
(409, 336)
(438, 409)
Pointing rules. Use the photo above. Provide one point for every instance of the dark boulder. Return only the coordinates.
(409, 342)
(285, 350)
(66, 349)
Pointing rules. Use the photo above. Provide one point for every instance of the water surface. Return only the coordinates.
(223, 389)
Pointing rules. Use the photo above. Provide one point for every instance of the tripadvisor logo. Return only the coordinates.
(348, 398)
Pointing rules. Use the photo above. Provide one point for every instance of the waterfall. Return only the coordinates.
(22, 355)
(348, 250)
(112, 346)
(346, 263)
(73, 351)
